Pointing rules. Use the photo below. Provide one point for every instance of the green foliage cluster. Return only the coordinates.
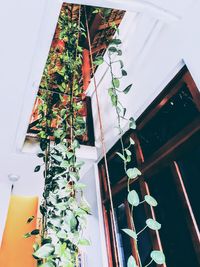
(64, 208)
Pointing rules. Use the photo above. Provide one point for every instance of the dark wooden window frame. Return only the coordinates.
(165, 154)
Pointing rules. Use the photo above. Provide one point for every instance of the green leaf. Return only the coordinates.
(131, 233)
(116, 82)
(58, 133)
(27, 235)
(152, 224)
(131, 262)
(35, 246)
(124, 73)
(158, 256)
(43, 144)
(116, 42)
(30, 219)
(151, 200)
(95, 11)
(133, 198)
(98, 61)
(57, 158)
(128, 152)
(40, 155)
(133, 173)
(37, 168)
(124, 112)
(62, 234)
(121, 156)
(70, 155)
(127, 89)
(132, 142)
(132, 124)
(35, 232)
(119, 52)
(110, 91)
(121, 64)
(64, 164)
(114, 100)
(112, 49)
(84, 242)
(44, 251)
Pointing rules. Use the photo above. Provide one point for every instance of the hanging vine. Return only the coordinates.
(114, 55)
(64, 208)
(114, 58)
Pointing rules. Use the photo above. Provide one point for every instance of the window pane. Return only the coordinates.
(177, 113)
(189, 165)
(124, 246)
(174, 233)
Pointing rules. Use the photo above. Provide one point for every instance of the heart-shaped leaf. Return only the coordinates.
(44, 251)
(151, 201)
(133, 198)
(132, 124)
(152, 224)
(116, 82)
(131, 262)
(131, 233)
(158, 256)
(133, 173)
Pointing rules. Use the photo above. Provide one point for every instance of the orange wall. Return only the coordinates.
(16, 250)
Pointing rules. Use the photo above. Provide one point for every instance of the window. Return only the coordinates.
(167, 152)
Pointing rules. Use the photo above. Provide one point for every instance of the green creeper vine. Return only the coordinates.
(114, 56)
(64, 208)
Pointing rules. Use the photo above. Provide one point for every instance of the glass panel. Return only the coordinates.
(175, 235)
(144, 241)
(189, 165)
(124, 245)
(177, 113)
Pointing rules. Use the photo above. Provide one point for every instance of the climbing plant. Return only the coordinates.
(115, 58)
(64, 208)
(116, 65)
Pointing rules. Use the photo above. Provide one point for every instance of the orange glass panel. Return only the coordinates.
(16, 251)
